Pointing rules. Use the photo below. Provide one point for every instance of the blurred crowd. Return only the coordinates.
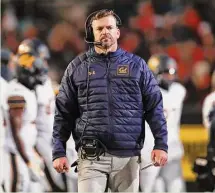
(183, 29)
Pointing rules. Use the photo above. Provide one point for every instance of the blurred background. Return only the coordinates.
(184, 29)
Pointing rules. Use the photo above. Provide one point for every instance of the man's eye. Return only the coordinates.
(109, 27)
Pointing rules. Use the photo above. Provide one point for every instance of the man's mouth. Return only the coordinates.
(104, 38)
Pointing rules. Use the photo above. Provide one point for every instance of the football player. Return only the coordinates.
(208, 104)
(45, 119)
(22, 132)
(168, 178)
(5, 72)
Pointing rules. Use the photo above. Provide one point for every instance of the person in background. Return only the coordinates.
(168, 178)
(45, 118)
(25, 165)
(209, 104)
(5, 58)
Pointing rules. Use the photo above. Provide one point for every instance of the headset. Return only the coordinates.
(89, 37)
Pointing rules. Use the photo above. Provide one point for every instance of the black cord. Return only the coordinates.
(87, 98)
(87, 95)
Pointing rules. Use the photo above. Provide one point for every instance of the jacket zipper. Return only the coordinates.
(109, 94)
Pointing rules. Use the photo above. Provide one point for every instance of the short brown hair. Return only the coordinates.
(103, 13)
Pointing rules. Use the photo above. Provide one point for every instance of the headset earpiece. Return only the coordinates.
(88, 28)
(88, 25)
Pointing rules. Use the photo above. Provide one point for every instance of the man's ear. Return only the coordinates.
(118, 33)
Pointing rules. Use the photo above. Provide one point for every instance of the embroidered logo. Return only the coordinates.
(122, 70)
(91, 72)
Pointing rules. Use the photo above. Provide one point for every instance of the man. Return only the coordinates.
(22, 132)
(169, 178)
(105, 97)
(5, 58)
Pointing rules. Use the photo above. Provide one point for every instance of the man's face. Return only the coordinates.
(106, 31)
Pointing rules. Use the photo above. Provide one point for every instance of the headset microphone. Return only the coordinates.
(91, 42)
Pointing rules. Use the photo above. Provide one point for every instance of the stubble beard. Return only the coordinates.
(108, 44)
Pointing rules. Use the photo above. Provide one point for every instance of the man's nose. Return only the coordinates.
(104, 30)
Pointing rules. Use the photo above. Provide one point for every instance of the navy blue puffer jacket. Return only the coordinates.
(111, 95)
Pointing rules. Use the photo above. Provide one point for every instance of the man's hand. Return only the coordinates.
(61, 165)
(159, 157)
